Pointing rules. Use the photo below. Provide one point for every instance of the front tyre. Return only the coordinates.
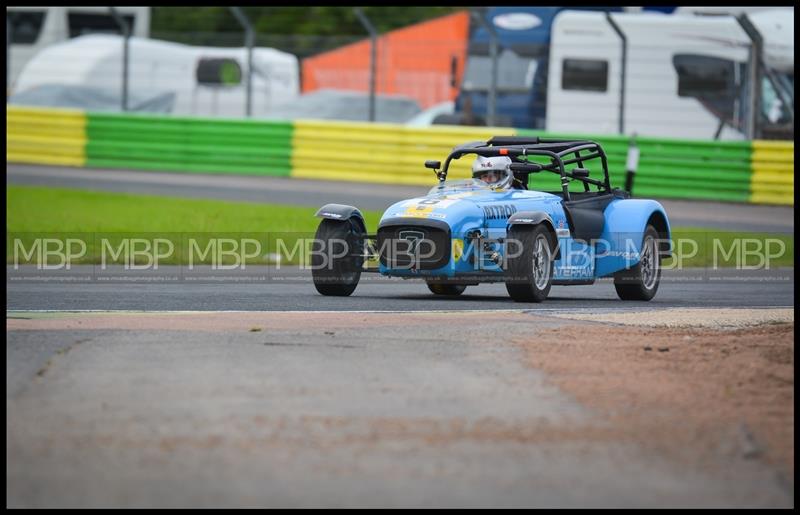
(531, 270)
(336, 260)
(641, 282)
(447, 289)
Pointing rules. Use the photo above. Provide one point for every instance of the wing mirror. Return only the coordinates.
(580, 173)
(433, 165)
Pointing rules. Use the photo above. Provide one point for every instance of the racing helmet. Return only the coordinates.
(493, 171)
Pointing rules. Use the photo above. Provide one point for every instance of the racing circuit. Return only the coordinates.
(292, 290)
(268, 288)
(257, 391)
(315, 193)
(640, 159)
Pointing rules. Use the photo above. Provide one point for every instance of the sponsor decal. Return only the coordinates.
(418, 211)
(562, 233)
(332, 215)
(499, 211)
(458, 249)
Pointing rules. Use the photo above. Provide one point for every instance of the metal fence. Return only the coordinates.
(429, 76)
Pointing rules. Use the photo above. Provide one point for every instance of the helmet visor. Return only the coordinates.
(494, 178)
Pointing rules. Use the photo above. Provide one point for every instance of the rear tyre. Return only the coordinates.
(336, 260)
(641, 281)
(531, 272)
(447, 289)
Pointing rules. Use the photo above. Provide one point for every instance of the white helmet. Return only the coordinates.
(493, 171)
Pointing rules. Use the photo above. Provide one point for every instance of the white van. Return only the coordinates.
(181, 79)
(33, 28)
(686, 76)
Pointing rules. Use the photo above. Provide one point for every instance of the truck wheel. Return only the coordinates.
(336, 260)
(641, 281)
(531, 272)
(447, 289)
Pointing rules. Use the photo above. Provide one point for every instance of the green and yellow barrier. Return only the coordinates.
(773, 172)
(378, 152)
(193, 145)
(45, 135)
(676, 168)
(757, 171)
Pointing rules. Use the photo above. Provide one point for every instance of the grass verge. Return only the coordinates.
(100, 218)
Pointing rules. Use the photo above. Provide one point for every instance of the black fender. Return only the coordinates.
(536, 218)
(343, 213)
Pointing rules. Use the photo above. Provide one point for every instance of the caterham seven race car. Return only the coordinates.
(495, 228)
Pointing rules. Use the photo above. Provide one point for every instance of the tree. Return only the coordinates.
(302, 30)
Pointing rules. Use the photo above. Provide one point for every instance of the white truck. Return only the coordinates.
(685, 75)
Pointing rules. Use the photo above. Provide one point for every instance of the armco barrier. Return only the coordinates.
(773, 172)
(47, 136)
(210, 145)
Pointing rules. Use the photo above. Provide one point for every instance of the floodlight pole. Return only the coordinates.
(373, 61)
(249, 41)
(126, 32)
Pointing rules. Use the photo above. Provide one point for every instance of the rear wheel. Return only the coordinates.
(336, 260)
(641, 282)
(531, 271)
(447, 289)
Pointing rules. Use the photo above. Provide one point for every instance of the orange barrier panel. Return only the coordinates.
(413, 61)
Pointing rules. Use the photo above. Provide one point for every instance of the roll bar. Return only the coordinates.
(557, 150)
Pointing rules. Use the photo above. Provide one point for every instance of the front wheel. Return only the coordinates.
(447, 289)
(641, 281)
(336, 260)
(530, 270)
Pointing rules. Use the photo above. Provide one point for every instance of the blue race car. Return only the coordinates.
(492, 228)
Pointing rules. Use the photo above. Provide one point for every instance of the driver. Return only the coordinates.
(493, 171)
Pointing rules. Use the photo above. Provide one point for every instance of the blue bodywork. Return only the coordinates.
(466, 207)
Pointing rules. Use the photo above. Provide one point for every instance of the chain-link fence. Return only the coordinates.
(621, 78)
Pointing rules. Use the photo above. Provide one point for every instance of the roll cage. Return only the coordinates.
(515, 147)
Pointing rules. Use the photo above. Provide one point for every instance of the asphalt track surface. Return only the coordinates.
(261, 392)
(291, 289)
(325, 410)
(729, 216)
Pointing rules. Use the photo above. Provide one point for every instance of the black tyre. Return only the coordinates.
(530, 272)
(336, 260)
(447, 289)
(641, 281)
